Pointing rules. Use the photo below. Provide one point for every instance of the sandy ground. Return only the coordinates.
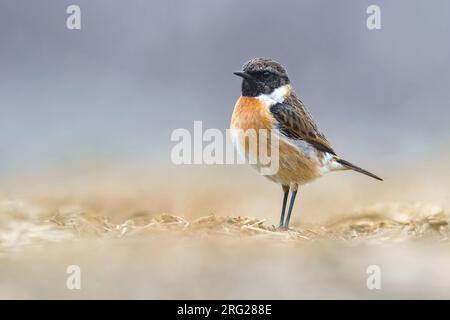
(209, 233)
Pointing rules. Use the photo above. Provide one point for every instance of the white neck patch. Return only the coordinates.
(277, 95)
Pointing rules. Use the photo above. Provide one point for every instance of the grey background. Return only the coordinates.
(116, 89)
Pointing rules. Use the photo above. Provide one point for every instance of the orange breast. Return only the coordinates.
(251, 113)
(250, 117)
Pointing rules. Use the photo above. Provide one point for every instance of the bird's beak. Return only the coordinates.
(244, 75)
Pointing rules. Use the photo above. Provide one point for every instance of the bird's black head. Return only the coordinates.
(262, 76)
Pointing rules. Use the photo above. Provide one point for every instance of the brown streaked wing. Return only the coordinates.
(295, 121)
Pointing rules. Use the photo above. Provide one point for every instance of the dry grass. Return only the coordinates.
(22, 225)
(206, 246)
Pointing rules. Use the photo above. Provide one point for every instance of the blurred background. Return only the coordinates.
(86, 117)
(136, 70)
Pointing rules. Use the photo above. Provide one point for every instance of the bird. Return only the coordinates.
(268, 102)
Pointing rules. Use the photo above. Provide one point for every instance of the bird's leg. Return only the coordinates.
(291, 206)
(285, 197)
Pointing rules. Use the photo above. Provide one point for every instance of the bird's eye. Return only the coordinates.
(266, 74)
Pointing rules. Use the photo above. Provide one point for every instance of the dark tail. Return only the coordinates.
(348, 165)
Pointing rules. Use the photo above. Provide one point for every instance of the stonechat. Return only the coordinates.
(269, 102)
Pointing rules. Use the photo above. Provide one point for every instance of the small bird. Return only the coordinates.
(269, 102)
